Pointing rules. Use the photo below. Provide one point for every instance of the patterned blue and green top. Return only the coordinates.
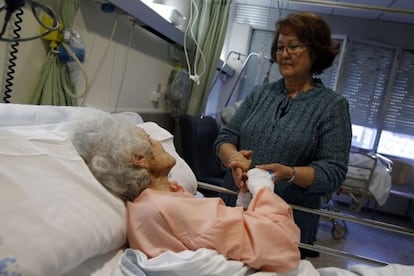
(313, 129)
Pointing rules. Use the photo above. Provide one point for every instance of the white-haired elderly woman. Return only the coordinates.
(163, 216)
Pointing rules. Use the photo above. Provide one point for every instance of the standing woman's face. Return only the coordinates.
(292, 56)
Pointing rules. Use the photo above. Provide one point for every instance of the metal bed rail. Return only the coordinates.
(333, 215)
(342, 254)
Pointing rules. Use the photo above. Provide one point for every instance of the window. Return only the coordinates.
(363, 137)
(331, 75)
(364, 81)
(397, 136)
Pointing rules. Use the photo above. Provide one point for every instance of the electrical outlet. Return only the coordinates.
(155, 96)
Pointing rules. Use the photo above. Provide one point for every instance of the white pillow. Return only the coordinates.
(62, 118)
(45, 116)
(54, 214)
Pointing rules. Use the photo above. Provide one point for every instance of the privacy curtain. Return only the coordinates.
(55, 86)
(212, 28)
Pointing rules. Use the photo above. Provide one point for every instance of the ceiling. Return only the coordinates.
(401, 11)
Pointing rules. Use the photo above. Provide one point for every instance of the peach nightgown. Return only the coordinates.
(264, 236)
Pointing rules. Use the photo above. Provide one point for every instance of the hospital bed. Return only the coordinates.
(56, 219)
(367, 183)
(368, 179)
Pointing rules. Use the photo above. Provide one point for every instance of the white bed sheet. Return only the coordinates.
(101, 265)
(206, 262)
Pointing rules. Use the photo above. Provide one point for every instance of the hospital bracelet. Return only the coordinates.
(292, 176)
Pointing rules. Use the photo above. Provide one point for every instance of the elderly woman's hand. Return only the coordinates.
(240, 163)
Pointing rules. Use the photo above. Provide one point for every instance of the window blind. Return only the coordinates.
(400, 112)
(366, 73)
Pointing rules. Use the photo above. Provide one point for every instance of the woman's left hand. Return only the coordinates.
(280, 171)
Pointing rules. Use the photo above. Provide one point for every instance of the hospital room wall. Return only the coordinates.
(123, 78)
(129, 73)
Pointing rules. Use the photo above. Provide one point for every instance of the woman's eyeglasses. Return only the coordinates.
(291, 49)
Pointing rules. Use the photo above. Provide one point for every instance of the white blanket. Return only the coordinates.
(209, 263)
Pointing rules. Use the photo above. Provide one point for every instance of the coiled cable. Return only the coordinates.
(11, 6)
(13, 57)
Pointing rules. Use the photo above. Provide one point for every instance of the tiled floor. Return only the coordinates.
(370, 242)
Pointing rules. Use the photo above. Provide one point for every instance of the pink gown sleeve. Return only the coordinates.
(264, 236)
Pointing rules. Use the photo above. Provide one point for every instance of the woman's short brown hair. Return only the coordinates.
(315, 33)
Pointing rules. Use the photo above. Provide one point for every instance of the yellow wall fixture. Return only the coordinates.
(56, 36)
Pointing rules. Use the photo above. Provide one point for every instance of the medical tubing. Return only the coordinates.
(190, 26)
(197, 46)
(185, 38)
(46, 10)
(13, 57)
(6, 21)
(87, 86)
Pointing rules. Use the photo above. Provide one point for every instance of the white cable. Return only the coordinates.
(125, 66)
(190, 19)
(85, 76)
(196, 77)
(105, 54)
(112, 74)
(191, 22)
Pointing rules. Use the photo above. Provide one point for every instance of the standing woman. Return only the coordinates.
(296, 127)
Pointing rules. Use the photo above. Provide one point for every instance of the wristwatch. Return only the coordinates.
(292, 176)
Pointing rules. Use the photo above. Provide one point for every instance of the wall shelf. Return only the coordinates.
(150, 20)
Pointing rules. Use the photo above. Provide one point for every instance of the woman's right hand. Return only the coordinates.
(240, 163)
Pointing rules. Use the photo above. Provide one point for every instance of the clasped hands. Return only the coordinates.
(241, 162)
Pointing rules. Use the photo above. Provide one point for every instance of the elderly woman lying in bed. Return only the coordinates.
(162, 216)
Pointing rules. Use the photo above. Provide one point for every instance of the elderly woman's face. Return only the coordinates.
(292, 56)
(160, 161)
